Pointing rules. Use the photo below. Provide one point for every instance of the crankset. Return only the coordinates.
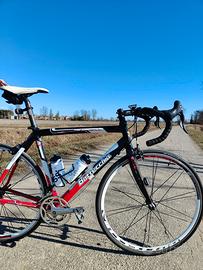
(56, 211)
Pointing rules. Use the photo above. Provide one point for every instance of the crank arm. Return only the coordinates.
(63, 211)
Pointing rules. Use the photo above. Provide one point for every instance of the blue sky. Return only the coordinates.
(104, 54)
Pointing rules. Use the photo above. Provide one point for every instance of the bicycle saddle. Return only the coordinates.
(21, 90)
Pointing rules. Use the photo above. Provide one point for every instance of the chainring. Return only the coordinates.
(51, 218)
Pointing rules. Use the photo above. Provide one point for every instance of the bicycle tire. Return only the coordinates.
(18, 221)
(110, 217)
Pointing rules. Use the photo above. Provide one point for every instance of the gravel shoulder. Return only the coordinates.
(86, 247)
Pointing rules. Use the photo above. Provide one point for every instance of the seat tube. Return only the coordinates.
(39, 142)
(30, 113)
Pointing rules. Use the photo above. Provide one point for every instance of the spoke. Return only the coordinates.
(123, 192)
(22, 179)
(129, 193)
(146, 225)
(178, 197)
(166, 214)
(152, 168)
(12, 213)
(165, 181)
(175, 210)
(1, 211)
(17, 208)
(127, 209)
(153, 176)
(149, 227)
(138, 220)
(33, 209)
(170, 187)
(19, 219)
(6, 215)
(129, 173)
(162, 223)
(131, 223)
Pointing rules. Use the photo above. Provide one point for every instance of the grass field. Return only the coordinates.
(15, 131)
(196, 132)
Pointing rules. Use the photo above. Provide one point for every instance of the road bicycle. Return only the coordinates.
(148, 202)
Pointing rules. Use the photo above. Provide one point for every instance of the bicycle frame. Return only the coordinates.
(35, 136)
(81, 181)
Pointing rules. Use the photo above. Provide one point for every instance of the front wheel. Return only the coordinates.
(126, 219)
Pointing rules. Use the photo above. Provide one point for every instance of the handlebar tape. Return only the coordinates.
(167, 116)
(145, 129)
(163, 136)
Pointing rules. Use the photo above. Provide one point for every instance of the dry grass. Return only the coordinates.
(64, 145)
(196, 132)
(15, 132)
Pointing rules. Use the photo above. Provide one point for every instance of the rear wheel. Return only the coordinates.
(126, 219)
(19, 212)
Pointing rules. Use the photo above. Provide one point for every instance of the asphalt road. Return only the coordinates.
(86, 247)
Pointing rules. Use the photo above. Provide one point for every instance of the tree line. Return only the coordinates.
(197, 117)
(48, 113)
(82, 115)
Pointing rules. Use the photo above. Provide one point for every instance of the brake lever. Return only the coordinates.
(181, 122)
(157, 121)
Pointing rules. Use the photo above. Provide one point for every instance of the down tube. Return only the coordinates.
(91, 173)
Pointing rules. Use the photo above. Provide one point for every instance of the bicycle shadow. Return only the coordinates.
(65, 234)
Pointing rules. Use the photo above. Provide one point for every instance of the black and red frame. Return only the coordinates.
(80, 182)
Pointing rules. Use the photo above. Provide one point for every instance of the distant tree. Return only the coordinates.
(198, 117)
(85, 115)
(57, 116)
(88, 116)
(192, 119)
(94, 114)
(76, 116)
(51, 115)
(44, 111)
(6, 114)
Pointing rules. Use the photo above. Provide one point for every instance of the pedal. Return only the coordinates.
(79, 213)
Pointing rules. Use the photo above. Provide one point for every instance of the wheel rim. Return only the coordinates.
(17, 220)
(131, 224)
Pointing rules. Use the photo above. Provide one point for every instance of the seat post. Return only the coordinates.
(30, 113)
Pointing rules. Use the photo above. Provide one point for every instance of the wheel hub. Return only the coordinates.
(152, 206)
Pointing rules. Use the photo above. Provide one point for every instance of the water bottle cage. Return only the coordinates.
(58, 176)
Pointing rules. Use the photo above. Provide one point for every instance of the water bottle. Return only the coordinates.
(77, 168)
(58, 170)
